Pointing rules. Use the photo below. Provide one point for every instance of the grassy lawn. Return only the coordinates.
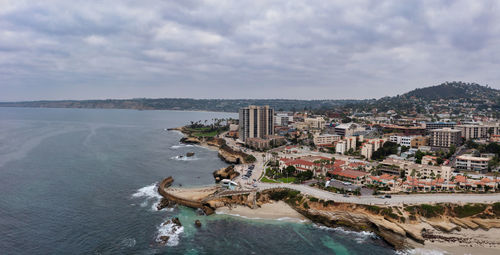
(280, 180)
(205, 134)
(264, 179)
(287, 180)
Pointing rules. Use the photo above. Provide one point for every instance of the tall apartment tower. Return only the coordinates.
(256, 122)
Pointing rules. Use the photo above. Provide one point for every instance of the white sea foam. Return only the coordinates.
(128, 242)
(360, 236)
(181, 146)
(150, 194)
(421, 251)
(172, 231)
(184, 158)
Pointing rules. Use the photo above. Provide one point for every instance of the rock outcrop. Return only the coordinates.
(225, 173)
(197, 223)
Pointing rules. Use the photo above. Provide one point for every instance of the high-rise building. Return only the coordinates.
(445, 137)
(256, 122)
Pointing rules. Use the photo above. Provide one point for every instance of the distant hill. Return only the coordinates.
(218, 105)
(454, 90)
(448, 97)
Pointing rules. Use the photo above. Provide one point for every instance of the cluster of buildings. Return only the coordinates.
(261, 128)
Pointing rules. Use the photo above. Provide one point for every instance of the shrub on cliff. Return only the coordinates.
(468, 210)
(250, 159)
(496, 208)
(426, 210)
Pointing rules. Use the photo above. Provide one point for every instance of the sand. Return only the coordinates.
(466, 241)
(192, 193)
(272, 211)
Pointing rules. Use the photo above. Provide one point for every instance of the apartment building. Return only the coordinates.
(439, 125)
(401, 140)
(445, 137)
(256, 122)
(478, 131)
(315, 123)
(370, 146)
(348, 129)
(283, 119)
(326, 139)
(468, 162)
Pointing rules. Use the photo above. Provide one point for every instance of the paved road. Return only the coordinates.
(395, 200)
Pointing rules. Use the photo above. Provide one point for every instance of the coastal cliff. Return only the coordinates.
(403, 226)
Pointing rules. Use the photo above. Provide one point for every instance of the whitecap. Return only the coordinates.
(181, 146)
(172, 231)
(184, 158)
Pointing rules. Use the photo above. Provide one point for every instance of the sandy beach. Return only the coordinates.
(272, 211)
(466, 241)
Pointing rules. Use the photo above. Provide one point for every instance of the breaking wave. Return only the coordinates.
(184, 158)
(172, 231)
(150, 194)
(360, 236)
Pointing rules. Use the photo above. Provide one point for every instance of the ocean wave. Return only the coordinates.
(360, 236)
(184, 158)
(150, 194)
(181, 146)
(172, 231)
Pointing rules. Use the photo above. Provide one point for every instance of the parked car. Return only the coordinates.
(382, 197)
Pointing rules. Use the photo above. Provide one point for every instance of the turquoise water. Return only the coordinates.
(82, 181)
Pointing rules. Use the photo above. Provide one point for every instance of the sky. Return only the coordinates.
(296, 49)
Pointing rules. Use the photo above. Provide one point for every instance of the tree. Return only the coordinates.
(290, 170)
(439, 161)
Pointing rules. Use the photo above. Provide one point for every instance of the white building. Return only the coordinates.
(326, 139)
(315, 123)
(282, 119)
(470, 163)
(401, 140)
(348, 129)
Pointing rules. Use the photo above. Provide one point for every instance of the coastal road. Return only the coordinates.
(395, 200)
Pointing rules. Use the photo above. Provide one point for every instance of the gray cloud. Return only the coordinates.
(237, 49)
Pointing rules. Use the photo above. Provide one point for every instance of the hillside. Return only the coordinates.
(218, 105)
(454, 90)
(457, 98)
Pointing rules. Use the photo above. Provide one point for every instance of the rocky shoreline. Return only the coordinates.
(225, 152)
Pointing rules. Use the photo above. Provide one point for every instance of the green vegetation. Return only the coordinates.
(426, 210)
(496, 208)
(387, 149)
(306, 205)
(374, 209)
(265, 179)
(250, 159)
(278, 195)
(313, 199)
(468, 210)
(287, 180)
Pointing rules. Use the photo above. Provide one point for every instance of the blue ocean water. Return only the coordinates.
(82, 181)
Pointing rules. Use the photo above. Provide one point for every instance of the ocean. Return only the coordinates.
(82, 181)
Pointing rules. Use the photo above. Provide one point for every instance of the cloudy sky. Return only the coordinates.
(60, 49)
